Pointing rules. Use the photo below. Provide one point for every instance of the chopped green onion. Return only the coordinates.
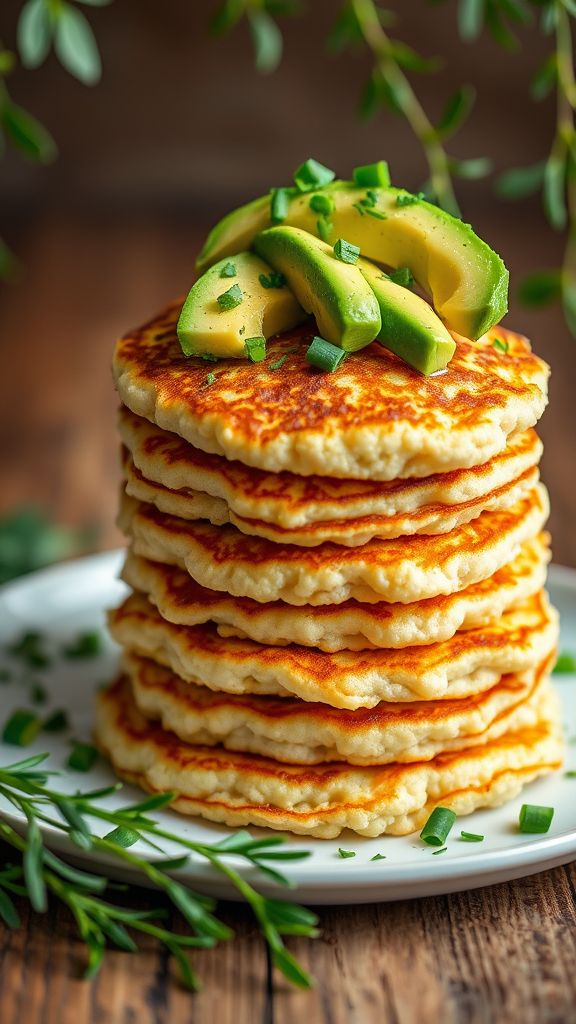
(346, 853)
(324, 227)
(402, 276)
(471, 837)
(378, 856)
(21, 728)
(375, 213)
(38, 694)
(29, 648)
(566, 663)
(208, 357)
(210, 378)
(324, 355)
(436, 829)
(535, 819)
(360, 208)
(436, 852)
(256, 349)
(409, 198)
(278, 363)
(346, 252)
(372, 174)
(87, 645)
(273, 280)
(56, 722)
(122, 836)
(312, 175)
(502, 346)
(82, 757)
(322, 203)
(230, 299)
(228, 270)
(279, 204)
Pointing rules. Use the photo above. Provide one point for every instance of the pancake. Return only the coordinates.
(296, 732)
(376, 418)
(466, 664)
(190, 476)
(347, 626)
(246, 789)
(405, 569)
(351, 532)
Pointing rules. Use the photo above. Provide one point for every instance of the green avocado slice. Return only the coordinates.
(234, 301)
(466, 280)
(410, 327)
(343, 303)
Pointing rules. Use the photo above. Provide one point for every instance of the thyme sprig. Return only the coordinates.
(40, 872)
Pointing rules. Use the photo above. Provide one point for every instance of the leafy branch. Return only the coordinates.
(99, 922)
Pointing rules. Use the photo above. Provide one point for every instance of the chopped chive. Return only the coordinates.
(346, 252)
(5, 676)
(324, 355)
(372, 174)
(502, 346)
(535, 819)
(82, 757)
(209, 357)
(273, 280)
(279, 204)
(210, 378)
(231, 298)
(402, 276)
(436, 829)
(370, 199)
(29, 649)
(324, 227)
(21, 728)
(86, 645)
(322, 203)
(256, 349)
(122, 836)
(278, 363)
(228, 270)
(565, 664)
(378, 856)
(312, 175)
(375, 213)
(56, 722)
(436, 852)
(471, 837)
(346, 853)
(38, 694)
(360, 208)
(409, 198)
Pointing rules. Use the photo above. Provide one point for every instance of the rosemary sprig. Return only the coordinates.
(25, 785)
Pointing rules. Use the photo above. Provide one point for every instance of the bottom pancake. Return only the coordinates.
(244, 789)
(299, 732)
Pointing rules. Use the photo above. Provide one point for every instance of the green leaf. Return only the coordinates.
(75, 45)
(267, 41)
(394, 93)
(569, 307)
(227, 16)
(472, 169)
(8, 266)
(290, 968)
(27, 134)
(7, 62)
(541, 288)
(456, 111)
(499, 30)
(81, 879)
(470, 18)
(345, 32)
(565, 663)
(545, 78)
(410, 60)
(554, 189)
(34, 33)
(8, 912)
(519, 182)
(32, 864)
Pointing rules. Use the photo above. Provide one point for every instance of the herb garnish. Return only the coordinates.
(535, 819)
(346, 853)
(86, 645)
(278, 363)
(501, 345)
(231, 298)
(409, 198)
(256, 348)
(210, 378)
(346, 251)
(322, 203)
(402, 276)
(378, 856)
(471, 837)
(273, 280)
(312, 175)
(436, 829)
(83, 757)
(565, 664)
(324, 227)
(100, 921)
(228, 270)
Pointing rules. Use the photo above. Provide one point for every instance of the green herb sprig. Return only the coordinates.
(40, 873)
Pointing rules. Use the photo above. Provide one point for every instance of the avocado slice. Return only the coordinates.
(336, 293)
(223, 310)
(410, 327)
(466, 280)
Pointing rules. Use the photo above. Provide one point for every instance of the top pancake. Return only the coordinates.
(375, 417)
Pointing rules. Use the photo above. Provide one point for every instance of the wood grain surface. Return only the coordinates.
(506, 953)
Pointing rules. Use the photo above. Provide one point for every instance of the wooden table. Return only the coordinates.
(506, 953)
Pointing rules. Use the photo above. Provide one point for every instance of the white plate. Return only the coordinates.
(66, 599)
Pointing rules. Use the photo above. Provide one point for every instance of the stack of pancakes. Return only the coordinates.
(337, 615)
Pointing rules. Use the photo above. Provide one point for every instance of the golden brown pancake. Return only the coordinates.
(347, 626)
(245, 789)
(466, 664)
(405, 569)
(190, 476)
(296, 732)
(375, 418)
